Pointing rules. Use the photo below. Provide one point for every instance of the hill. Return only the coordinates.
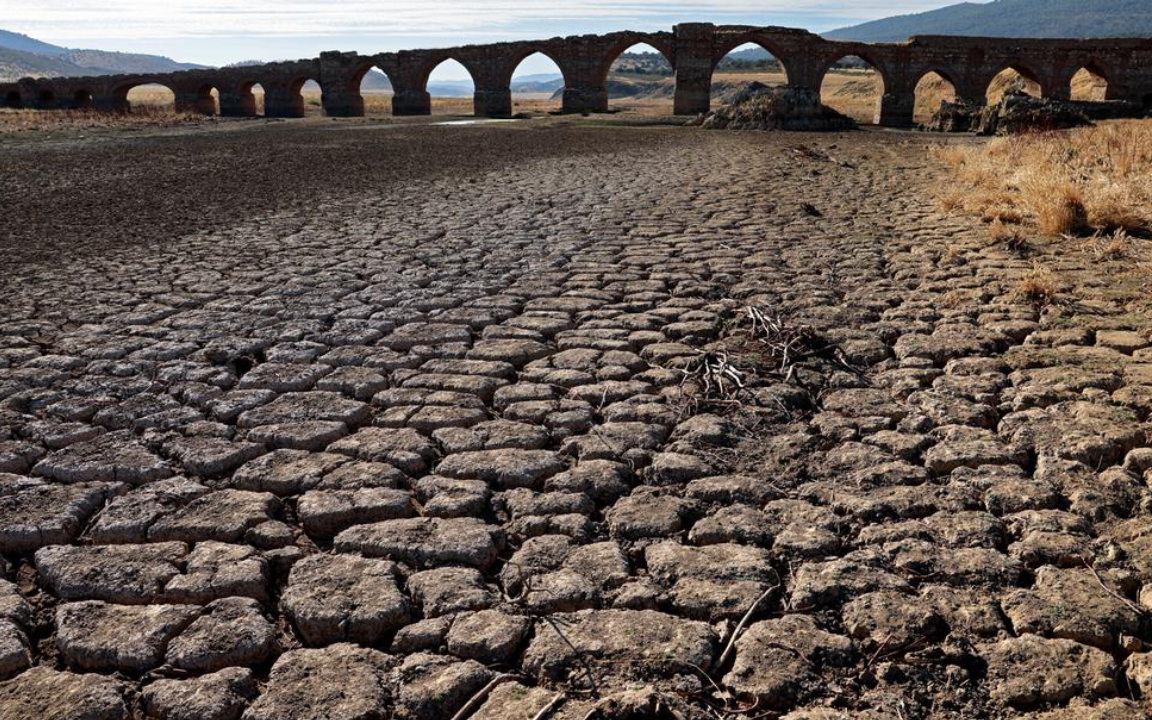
(1013, 18)
(22, 56)
(23, 43)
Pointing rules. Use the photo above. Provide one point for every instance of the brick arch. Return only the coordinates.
(764, 40)
(46, 98)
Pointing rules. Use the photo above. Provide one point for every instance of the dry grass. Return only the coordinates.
(1038, 287)
(1117, 245)
(1083, 180)
(21, 121)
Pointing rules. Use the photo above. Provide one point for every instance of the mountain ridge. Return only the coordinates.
(22, 56)
(1012, 18)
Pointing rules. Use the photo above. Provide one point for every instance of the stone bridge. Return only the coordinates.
(693, 50)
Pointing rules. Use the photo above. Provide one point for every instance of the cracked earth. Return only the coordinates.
(434, 449)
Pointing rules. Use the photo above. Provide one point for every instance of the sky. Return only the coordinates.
(217, 32)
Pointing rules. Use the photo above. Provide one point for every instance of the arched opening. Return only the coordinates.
(148, 98)
(306, 97)
(82, 100)
(741, 67)
(537, 85)
(12, 99)
(853, 87)
(46, 99)
(452, 88)
(1089, 84)
(1147, 101)
(641, 79)
(375, 91)
(251, 99)
(1012, 79)
(208, 100)
(933, 90)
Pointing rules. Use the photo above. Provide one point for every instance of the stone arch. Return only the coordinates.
(1008, 77)
(1089, 82)
(754, 38)
(859, 98)
(934, 86)
(554, 101)
(250, 104)
(371, 88)
(120, 93)
(295, 89)
(208, 99)
(627, 43)
(719, 87)
(434, 63)
(665, 66)
(82, 100)
(46, 99)
(12, 99)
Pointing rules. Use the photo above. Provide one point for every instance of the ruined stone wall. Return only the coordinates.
(694, 50)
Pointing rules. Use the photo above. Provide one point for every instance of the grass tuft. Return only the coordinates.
(1076, 182)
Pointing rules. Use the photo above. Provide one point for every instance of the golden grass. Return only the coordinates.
(1038, 287)
(1083, 180)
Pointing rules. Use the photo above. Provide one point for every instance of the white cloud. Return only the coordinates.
(480, 19)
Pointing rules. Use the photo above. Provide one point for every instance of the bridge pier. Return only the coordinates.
(492, 102)
(188, 103)
(280, 102)
(694, 65)
(897, 109)
(412, 102)
(237, 105)
(584, 99)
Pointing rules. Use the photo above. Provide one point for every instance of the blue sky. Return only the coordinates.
(221, 31)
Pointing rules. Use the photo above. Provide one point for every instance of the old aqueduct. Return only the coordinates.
(693, 50)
